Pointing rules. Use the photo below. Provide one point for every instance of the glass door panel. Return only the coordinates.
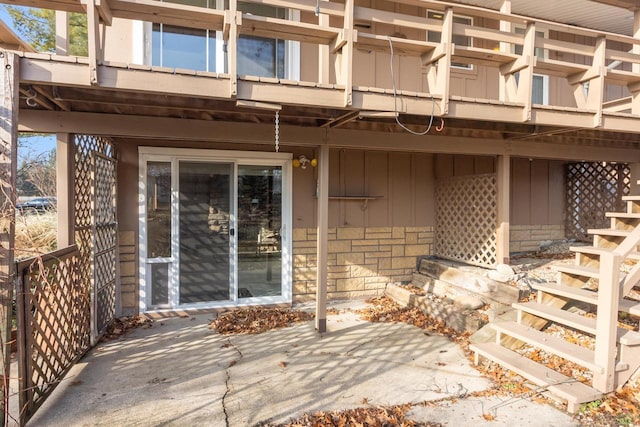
(259, 227)
(158, 223)
(204, 214)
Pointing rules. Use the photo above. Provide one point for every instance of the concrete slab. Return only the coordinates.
(178, 372)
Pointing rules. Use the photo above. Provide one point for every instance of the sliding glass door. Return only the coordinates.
(213, 229)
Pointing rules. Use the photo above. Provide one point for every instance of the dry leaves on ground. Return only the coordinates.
(360, 417)
(123, 325)
(384, 309)
(255, 320)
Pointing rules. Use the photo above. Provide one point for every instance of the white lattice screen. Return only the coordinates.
(593, 189)
(466, 216)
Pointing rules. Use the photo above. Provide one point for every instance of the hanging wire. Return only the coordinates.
(277, 137)
(395, 101)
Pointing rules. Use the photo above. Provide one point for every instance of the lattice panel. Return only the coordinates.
(105, 241)
(466, 217)
(593, 189)
(54, 319)
(96, 224)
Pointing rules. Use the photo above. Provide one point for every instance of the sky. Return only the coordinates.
(34, 144)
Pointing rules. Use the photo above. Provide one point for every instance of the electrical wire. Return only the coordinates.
(395, 100)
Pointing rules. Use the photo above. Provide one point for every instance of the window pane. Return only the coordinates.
(204, 211)
(538, 90)
(159, 284)
(158, 209)
(257, 56)
(182, 48)
(259, 223)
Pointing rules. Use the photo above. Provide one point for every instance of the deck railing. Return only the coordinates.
(595, 74)
(610, 290)
(54, 329)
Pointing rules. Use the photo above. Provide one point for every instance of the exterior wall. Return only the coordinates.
(128, 271)
(527, 238)
(119, 41)
(377, 243)
(362, 260)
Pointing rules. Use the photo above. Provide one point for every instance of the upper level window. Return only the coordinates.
(178, 47)
(261, 56)
(457, 39)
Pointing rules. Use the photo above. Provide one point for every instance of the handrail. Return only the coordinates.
(610, 290)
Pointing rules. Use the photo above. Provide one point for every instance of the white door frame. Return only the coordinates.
(174, 156)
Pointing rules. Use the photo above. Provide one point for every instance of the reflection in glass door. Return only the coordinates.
(259, 231)
(204, 214)
(213, 228)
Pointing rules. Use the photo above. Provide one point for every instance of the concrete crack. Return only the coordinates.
(224, 406)
(228, 380)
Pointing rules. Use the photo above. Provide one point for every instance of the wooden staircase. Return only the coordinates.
(596, 283)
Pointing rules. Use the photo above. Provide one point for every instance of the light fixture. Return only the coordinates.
(303, 161)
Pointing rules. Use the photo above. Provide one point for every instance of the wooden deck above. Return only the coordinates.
(599, 70)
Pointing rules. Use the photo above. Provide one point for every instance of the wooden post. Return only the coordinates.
(232, 18)
(93, 33)
(347, 53)
(505, 26)
(607, 322)
(503, 176)
(62, 33)
(439, 77)
(322, 248)
(8, 162)
(635, 94)
(65, 190)
(323, 52)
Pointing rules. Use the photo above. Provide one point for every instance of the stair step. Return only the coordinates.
(578, 270)
(590, 297)
(591, 250)
(630, 306)
(574, 392)
(577, 294)
(609, 232)
(555, 345)
(622, 215)
(576, 321)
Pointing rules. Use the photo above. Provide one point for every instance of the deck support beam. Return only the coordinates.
(8, 166)
(322, 242)
(503, 203)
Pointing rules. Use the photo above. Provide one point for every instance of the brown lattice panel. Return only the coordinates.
(466, 215)
(96, 225)
(593, 189)
(54, 322)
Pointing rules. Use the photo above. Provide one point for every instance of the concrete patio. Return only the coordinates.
(179, 372)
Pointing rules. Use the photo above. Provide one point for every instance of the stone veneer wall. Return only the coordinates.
(524, 238)
(362, 260)
(128, 272)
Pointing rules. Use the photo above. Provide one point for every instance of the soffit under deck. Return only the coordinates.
(615, 16)
(101, 101)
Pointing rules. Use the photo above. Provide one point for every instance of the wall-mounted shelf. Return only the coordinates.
(364, 199)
